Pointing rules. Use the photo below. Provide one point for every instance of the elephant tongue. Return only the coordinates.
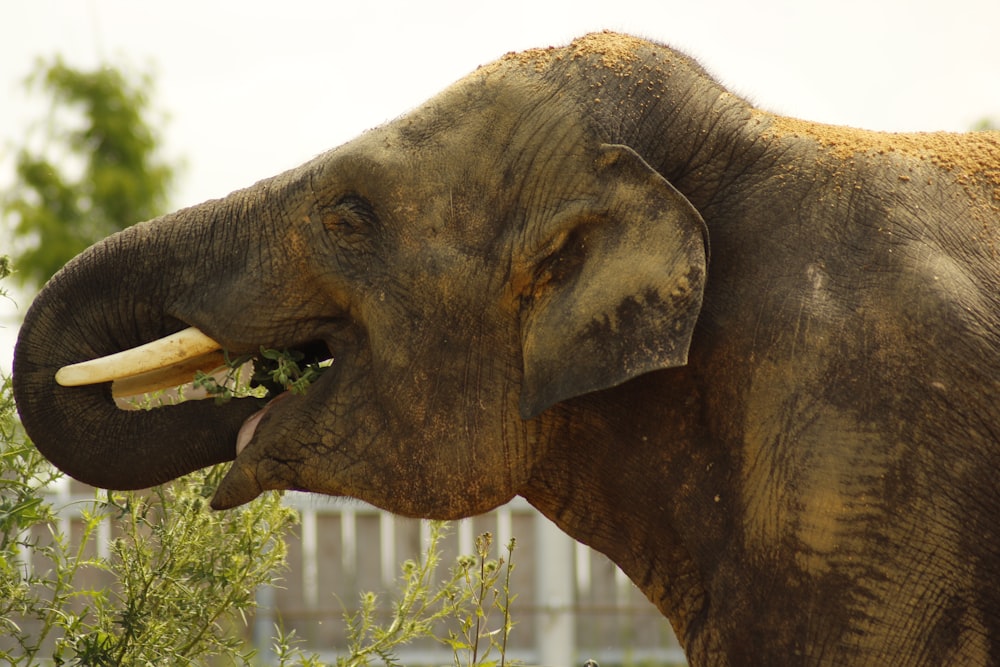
(249, 427)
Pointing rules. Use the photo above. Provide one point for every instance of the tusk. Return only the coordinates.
(162, 353)
(175, 375)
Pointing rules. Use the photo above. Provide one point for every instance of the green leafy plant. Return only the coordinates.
(455, 612)
(481, 581)
(185, 574)
(273, 371)
(285, 369)
(175, 586)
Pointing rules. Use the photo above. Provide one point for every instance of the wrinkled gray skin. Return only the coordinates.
(509, 279)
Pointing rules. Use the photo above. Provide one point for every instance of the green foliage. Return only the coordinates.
(186, 575)
(985, 125)
(284, 369)
(455, 612)
(56, 214)
(484, 597)
(175, 588)
(274, 371)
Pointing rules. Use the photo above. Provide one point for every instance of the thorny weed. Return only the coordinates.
(424, 610)
(485, 597)
(173, 585)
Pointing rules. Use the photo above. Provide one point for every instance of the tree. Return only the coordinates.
(120, 179)
(985, 124)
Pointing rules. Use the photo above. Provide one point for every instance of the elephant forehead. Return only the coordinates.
(472, 166)
(479, 119)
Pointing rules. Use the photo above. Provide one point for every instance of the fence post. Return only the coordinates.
(554, 587)
(264, 623)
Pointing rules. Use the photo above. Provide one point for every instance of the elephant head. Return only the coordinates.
(467, 267)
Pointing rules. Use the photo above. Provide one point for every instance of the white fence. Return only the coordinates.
(572, 603)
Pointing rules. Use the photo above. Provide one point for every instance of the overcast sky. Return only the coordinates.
(254, 88)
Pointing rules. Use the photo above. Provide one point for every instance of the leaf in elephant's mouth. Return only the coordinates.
(270, 373)
(274, 371)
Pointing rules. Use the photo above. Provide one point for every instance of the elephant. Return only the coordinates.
(753, 360)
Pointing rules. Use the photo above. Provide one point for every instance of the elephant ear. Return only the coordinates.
(617, 285)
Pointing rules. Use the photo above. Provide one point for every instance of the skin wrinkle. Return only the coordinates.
(567, 510)
(543, 199)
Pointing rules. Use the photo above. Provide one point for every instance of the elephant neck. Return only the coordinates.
(650, 501)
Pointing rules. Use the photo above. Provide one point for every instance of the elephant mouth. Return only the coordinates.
(168, 364)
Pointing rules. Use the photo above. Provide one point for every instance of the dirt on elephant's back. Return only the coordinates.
(972, 157)
(617, 52)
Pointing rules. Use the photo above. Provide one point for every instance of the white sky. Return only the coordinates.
(253, 88)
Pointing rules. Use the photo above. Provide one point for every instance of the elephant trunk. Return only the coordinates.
(114, 297)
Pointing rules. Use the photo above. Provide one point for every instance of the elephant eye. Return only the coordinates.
(348, 215)
(564, 261)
